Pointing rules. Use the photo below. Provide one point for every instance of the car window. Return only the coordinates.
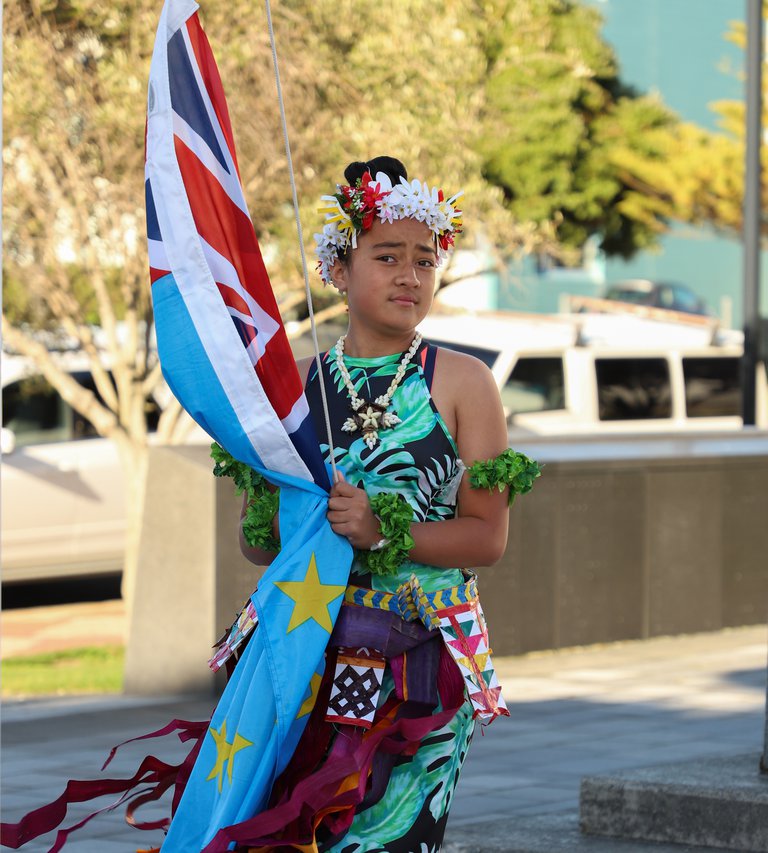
(535, 385)
(686, 300)
(638, 297)
(633, 388)
(36, 414)
(712, 387)
(487, 356)
(666, 297)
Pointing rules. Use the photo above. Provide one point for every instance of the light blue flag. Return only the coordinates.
(225, 354)
(266, 703)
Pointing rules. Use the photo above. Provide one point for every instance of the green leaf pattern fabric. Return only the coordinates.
(419, 461)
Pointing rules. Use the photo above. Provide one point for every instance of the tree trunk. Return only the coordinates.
(135, 461)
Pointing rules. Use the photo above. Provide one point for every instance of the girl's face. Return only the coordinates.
(389, 279)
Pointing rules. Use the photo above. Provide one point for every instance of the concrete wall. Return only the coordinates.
(192, 578)
(603, 549)
(607, 550)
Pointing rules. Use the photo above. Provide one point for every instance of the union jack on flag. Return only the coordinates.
(226, 357)
(205, 263)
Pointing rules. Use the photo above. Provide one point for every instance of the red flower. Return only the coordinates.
(368, 219)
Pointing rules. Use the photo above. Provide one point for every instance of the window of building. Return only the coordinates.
(712, 387)
(633, 388)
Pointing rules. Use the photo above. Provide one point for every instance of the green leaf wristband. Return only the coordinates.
(507, 469)
(395, 517)
(262, 504)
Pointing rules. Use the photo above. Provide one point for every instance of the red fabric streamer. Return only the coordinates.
(159, 775)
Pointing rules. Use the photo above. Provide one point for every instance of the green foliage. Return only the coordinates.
(555, 113)
(395, 516)
(517, 101)
(508, 469)
(700, 178)
(89, 670)
(263, 503)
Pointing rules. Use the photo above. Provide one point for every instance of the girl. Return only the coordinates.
(407, 668)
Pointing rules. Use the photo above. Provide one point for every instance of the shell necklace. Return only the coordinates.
(367, 417)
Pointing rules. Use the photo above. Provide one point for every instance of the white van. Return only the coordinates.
(596, 374)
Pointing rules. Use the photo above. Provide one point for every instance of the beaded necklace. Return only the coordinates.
(369, 417)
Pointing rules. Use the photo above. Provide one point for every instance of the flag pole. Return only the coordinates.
(300, 232)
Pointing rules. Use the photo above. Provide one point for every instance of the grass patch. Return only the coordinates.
(89, 670)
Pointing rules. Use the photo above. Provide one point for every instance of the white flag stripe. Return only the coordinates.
(228, 182)
(255, 350)
(199, 291)
(297, 414)
(224, 273)
(157, 255)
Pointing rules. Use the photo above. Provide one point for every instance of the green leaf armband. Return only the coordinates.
(508, 469)
(395, 517)
(262, 503)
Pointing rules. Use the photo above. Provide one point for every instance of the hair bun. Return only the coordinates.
(391, 167)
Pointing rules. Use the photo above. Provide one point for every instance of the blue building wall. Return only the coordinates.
(678, 49)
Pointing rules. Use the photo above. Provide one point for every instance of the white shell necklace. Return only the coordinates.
(367, 417)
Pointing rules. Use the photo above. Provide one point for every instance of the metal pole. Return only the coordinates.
(752, 209)
(752, 216)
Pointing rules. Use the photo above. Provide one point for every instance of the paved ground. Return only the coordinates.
(574, 713)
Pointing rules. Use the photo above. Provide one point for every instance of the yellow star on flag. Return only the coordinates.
(309, 703)
(225, 752)
(311, 598)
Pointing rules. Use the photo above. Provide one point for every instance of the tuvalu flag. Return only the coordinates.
(226, 357)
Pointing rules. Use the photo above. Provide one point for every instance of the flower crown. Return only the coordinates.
(352, 210)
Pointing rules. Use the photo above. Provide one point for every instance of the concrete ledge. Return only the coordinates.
(550, 833)
(717, 802)
(192, 578)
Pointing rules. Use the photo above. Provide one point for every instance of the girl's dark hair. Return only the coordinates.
(391, 167)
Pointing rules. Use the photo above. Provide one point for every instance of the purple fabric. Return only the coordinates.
(389, 634)
(378, 629)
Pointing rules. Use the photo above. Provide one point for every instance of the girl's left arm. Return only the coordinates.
(478, 534)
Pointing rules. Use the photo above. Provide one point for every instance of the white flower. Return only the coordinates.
(406, 200)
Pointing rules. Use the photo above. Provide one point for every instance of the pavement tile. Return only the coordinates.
(574, 713)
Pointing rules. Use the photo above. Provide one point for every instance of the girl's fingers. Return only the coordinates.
(339, 504)
(344, 489)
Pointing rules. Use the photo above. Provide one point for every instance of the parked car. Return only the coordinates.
(604, 374)
(63, 509)
(657, 294)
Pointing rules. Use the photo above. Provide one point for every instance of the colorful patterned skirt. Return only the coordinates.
(389, 725)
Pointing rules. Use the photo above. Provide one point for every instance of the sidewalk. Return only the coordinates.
(574, 713)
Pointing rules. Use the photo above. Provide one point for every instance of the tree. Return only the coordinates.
(443, 92)
(556, 113)
(700, 177)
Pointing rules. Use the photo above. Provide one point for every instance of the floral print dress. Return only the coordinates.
(419, 460)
